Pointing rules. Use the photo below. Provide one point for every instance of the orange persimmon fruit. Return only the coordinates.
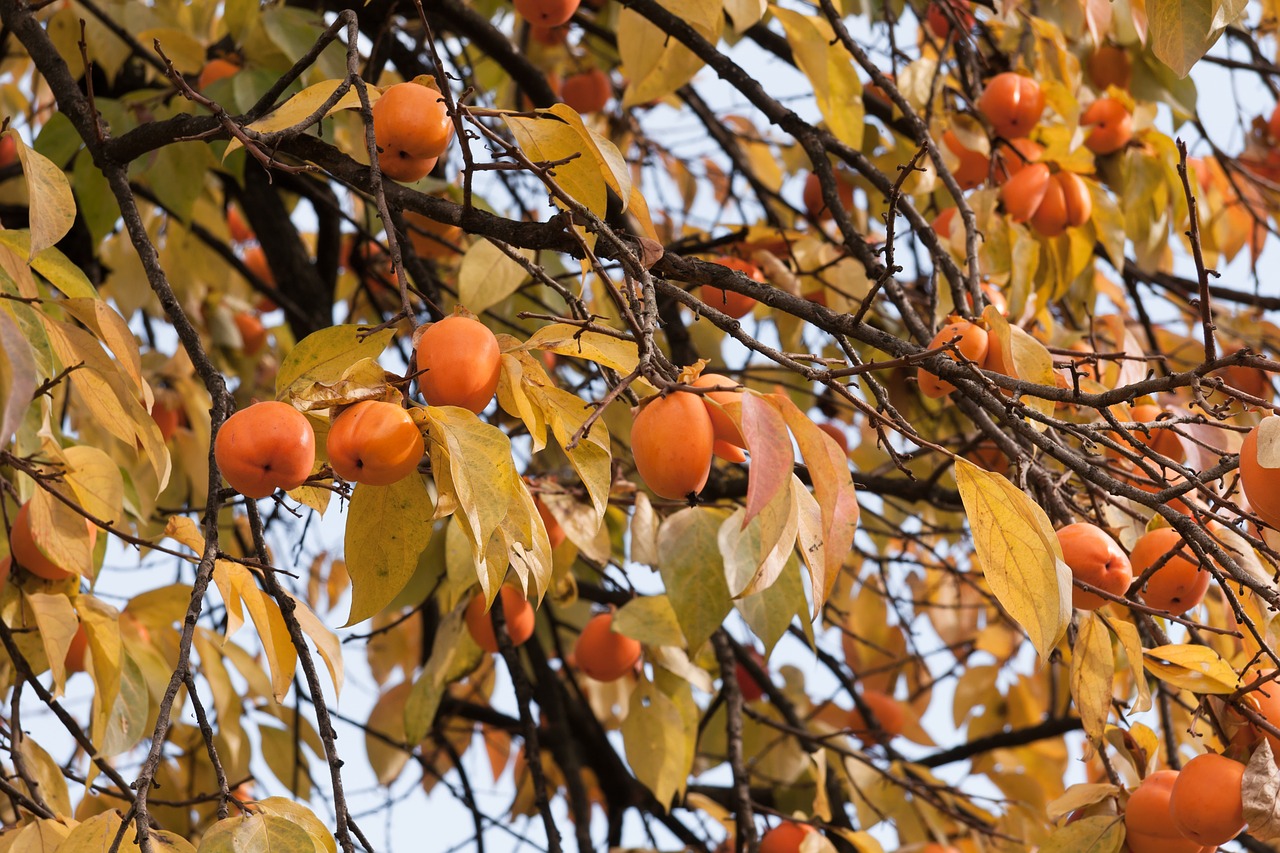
(459, 363)
(603, 654)
(672, 440)
(264, 447)
(375, 443)
(516, 611)
(1095, 558)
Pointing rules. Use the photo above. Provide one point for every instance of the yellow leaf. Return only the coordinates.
(1127, 633)
(325, 355)
(46, 773)
(302, 816)
(1190, 667)
(60, 533)
(387, 528)
(745, 13)
(547, 140)
(651, 620)
(101, 624)
(754, 555)
(653, 735)
(1092, 668)
(606, 350)
(43, 836)
(1101, 834)
(386, 723)
(823, 59)
(657, 64)
(693, 572)
(327, 642)
(302, 105)
(51, 202)
(1079, 796)
(453, 655)
(363, 380)
(56, 620)
(1018, 551)
(487, 276)
(183, 48)
(97, 834)
(95, 478)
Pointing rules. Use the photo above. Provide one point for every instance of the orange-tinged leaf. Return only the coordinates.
(772, 456)
(1018, 552)
(387, 719)
(56, 620)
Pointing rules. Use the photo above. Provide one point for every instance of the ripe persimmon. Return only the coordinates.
(988, 456)
(603, 654)
(555, 533)
(264, 447)
(1112, 126)
(736, 305)
(23, 548)
(255, 260)
(1259, 483)
(750, 689)
(253, 335)
(974, 166)
(672, 441)
(1013, 156)
(549, 36)
(1023, 193)
(375, 443)
(6, 569)
(722, 425)
(943, 222)
(1148, 820)
(516, 610)
(431, 239)
(938, 21)
(1066, 204)
(1265, 699)
(587, 92)
(816, 205)
(940, 848)
(1206, 801)
(411, 122)
(887, 712)
(459, 363)
(1162, 441)
(786, 837)
(168, 419)
(971, 341)
(215, 70)
(1179, 584)
(731, 453)
(75, 660)
(836, 434)
(236, 224)
(1095, 558)
(1012, 103)
(8, 151)
(546, 13)
(1110, 66)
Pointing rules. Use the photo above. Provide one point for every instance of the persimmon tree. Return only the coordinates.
(861, 413)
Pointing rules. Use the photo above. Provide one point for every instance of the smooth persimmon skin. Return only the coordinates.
(672, 440)
(431, 239)
(255, 260)
(167, 419)
(943, 221)
(1179, 584)
(940, 848)
(375, 443)
(814, 203)
(459, 363)
(406, 170)
(1014, 156)
(411, 122)
(236, 224)
(888, 714)
(750, 689)
(722, 425)
(974, 165)
(736, 305)
(517, 611)
(1148, 821)
(253, 335)
(1112, 126)
(940, 25)
(1265, 698)
(1066, 204)
(988, 456)
(1162, 441)
(973, 345)
(8, 151)
(264, 447)
(786, 837)
(728, 452)
(23, 547)
(1260, 484)
(602, 654)
(75, 660)
(6, 569)
(555, 533)
(215, 70)
(1023, 193)
(587, 92)
(546, 13)
(1206, 800)
(1110, 66)
(1095, 558)
(1012, 103)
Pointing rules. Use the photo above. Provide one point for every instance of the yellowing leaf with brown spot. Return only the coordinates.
(388, 527)
(1092, 668)
(1018, 552)
(1190, 667)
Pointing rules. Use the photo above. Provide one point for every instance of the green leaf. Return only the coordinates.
(1101, 834)
(769, 612)
(1092, 668)
(52, 204)
(453, 655)
(654, 737)
(487, 276)
(693, 572)
(388, 527)
(823, 59)
(651, 620)
(325, 355)
(1190, 667)
(1018, 551)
